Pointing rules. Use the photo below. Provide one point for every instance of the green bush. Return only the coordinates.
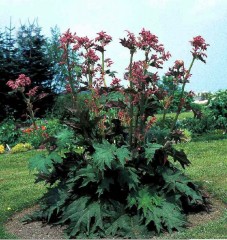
(198, 126)
(65, 100)
(45, 129)
(218, 108)
(9, 132)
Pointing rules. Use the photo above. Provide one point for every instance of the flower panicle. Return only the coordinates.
(199, 48)
(20, 82)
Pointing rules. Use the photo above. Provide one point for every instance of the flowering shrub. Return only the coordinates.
(21, 84)
(44, 129)
(35, 136)
(106, 178)
(2, 149)
(21, 147)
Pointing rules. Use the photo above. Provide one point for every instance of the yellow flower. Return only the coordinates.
(9, 208)
(2, 149)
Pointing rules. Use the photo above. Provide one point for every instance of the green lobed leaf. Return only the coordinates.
(104, 154)
(104, 185)
(121, 223)
(128, 177)
(123, 154)
(88, 174)
(83, 215)
(41, 163)
(150, 150)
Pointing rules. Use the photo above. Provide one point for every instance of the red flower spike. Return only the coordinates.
(199, 47)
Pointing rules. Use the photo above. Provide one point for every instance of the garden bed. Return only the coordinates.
(38, 230)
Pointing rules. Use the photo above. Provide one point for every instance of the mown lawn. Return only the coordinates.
(17, 188)
(182, 116)
(209, 168)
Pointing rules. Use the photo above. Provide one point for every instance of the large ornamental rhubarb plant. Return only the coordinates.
(105, 177)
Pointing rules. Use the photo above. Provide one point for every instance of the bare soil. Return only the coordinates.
(37, 230)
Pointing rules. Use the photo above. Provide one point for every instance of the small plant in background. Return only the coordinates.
(107, 176)
(21, 147)
(9, 132)
(21, 85)
(44, 130)
(201, 125)
(35, 136)
(218, 108)
(2, 148)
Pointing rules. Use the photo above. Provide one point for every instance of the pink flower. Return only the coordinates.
(108, 62)
(83, 42)
(138, 76)
(12, 84)
(179, 72)
(32, 91)
(199, 42)
(103, 39)
(148, 40)
(91, 56)
(199, 47)
(67, 38)
(20, 82)
(130, 42)
(68, 88)
(115, 82)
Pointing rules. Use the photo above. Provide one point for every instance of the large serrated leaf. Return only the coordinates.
(122, 222)
(83, 215)
(104, 154)
(123, 154)
(88, 174)
(150, 150)
(41, 163)
(104, 185)
(128, 177)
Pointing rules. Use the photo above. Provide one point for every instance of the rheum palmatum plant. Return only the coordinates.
(105, 179)
(20, 85)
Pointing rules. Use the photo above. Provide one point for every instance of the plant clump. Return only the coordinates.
(2, 148)
(21, 147)
(106, 177)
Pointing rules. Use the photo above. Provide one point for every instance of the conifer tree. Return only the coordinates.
(33, 58)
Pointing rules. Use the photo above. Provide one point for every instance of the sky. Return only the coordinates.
(175, 22)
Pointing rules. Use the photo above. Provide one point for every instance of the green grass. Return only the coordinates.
(208, 168)
(17, 186)
(182, 116)
(208, 165)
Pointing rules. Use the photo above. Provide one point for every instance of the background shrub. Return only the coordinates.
(9, 132)
(218, 108)
(199, 126)
(45, 129)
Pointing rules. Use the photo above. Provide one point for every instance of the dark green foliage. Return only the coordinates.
(33, 59)
(100, 188)
(218, 108)
(24, 52)
(9, 68)
(199, 125)
(9, 132)
(171, 88)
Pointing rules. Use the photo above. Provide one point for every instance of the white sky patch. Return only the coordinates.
(175, 22)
